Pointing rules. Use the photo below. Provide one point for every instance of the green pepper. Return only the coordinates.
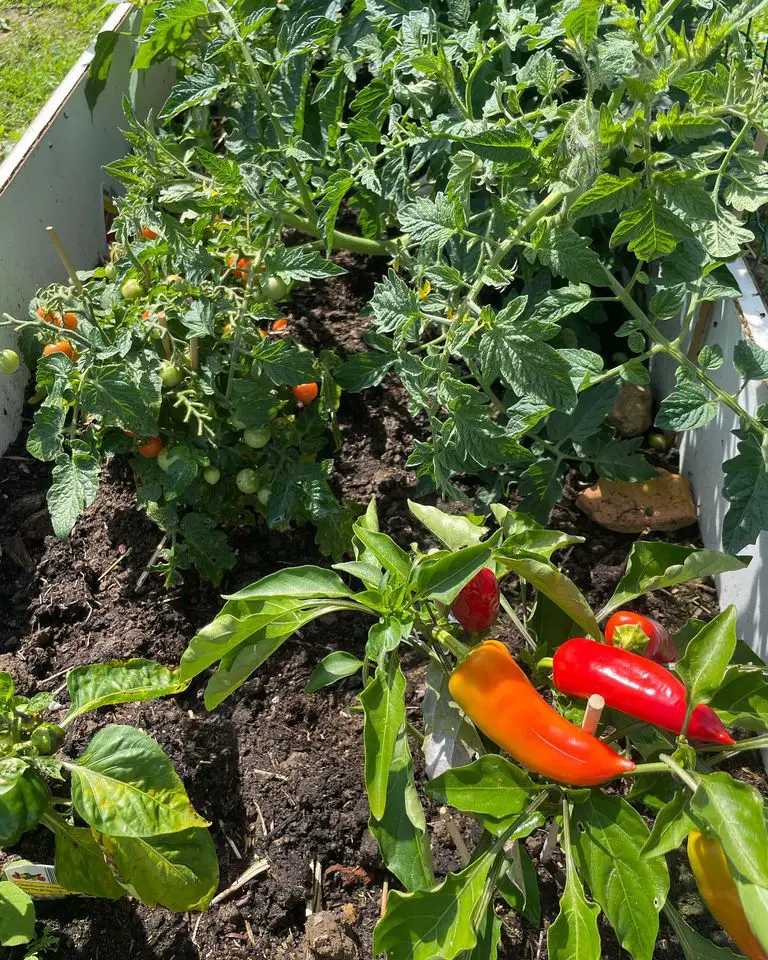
(47, 738)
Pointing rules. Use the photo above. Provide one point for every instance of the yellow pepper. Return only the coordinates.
(718, 891)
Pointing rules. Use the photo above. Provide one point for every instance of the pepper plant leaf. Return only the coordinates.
(707, 655)
(17, 915)
(696, 947)
(555, 585)
(653, 566)
(733, 811)
(401, 832)
(125, 785)
(332, 668)
(24, 798)
(383, 701)
(670, 828)
(81, 866)
(608, 839)
(574, 934)
(437, 922)
(178, 871)
(442, 578)
(119, 681)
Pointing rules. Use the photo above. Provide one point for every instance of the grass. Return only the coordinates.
(39, 42)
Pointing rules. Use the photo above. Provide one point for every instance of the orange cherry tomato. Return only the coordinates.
(49, 316)
(279, 325)
(148, 233)
(70, 321)
(150, 448)
(306, 392)
(61, 346)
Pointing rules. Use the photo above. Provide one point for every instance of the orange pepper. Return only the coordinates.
(499, 698)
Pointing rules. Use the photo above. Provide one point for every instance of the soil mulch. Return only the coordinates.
(277, 772)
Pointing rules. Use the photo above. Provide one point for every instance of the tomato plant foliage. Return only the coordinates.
(547, 185)
(560, 177)
(615, 863)
(142, 837)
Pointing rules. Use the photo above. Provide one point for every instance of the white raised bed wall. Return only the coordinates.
(704, 451)
(54, 177)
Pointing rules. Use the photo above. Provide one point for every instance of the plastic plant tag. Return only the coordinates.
(36, 879)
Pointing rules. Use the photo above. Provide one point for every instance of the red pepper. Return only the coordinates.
(634, 685)
(477, 605)
(498, 697)
(660, 646)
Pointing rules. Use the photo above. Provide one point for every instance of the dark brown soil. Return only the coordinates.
(277, 772)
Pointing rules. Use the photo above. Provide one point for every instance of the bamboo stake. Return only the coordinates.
(458, 840)
(595, 707)
(194, 354)
(64, 257)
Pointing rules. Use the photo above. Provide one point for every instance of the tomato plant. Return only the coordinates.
(619, 799)
(138, 819)
(566, 181)
(180, 359)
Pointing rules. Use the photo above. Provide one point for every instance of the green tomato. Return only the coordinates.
(274, 288)
(9, 361)
(170, 374)
(110, 271)
(657, 441)
(131, 290)
(47, 738)
(247, 481)
(264, 494)
(166, 458)
(257, 437)
(211, 475)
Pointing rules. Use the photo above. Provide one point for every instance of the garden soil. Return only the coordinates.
(276, 771)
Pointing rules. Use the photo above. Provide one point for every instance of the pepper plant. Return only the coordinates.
(498, 751)
(568, 179)
(126, 825)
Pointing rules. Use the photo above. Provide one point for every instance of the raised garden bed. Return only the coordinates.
(230, 376)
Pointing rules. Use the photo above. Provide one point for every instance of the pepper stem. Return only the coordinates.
(546, 663)
(683, 775)
(452, 644)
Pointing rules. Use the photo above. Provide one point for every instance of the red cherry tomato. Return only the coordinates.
(660, 646)
(148, 233)
(477, 605)
(279, 325)
(306, 392)
(150, 448)
(70, 321)
(61, 346)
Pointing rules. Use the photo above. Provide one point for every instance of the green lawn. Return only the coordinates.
(39, 42)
